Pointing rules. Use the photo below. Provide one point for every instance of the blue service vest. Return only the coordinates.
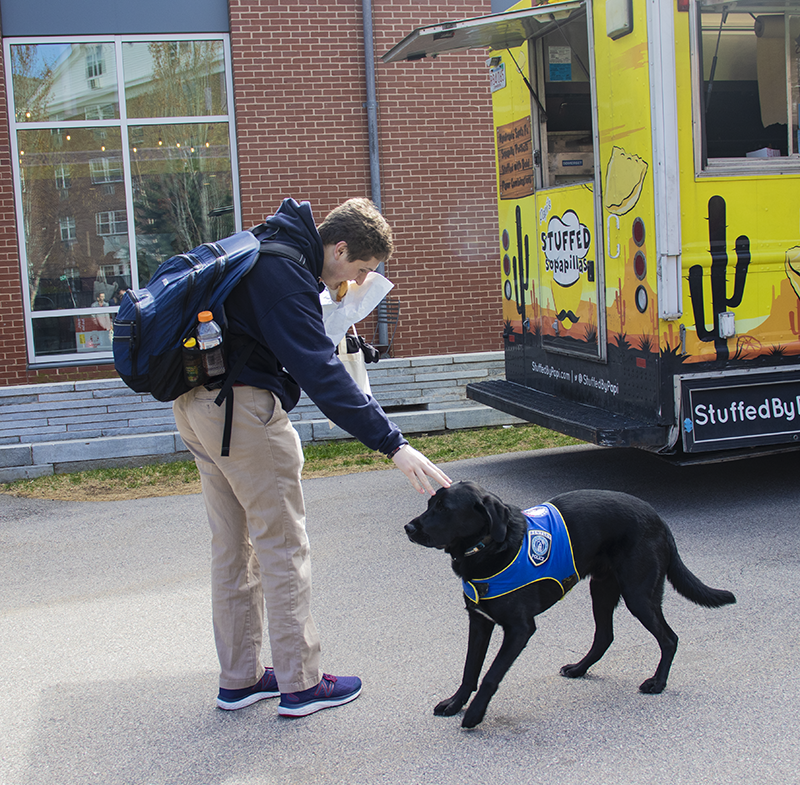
(545, 554)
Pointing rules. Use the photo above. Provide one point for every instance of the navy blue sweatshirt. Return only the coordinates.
(277, 303)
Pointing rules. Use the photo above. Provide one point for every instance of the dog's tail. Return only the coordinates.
(690, 586)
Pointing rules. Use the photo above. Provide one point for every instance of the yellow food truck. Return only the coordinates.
(648, 183)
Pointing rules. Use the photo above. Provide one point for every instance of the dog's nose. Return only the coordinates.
(410, 528)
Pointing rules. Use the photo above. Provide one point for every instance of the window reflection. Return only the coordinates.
(181, 175)
(84, 197)
(75, 218)
(64, 82)
(175, 79)
(83, 335)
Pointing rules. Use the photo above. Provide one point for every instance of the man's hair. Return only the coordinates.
(359, 223)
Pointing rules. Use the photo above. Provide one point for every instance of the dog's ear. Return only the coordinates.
(496, 513)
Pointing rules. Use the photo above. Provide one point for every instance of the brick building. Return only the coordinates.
(136, 130)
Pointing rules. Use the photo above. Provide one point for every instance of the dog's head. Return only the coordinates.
(459, 517)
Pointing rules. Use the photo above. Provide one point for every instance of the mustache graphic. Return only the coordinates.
(568, 315)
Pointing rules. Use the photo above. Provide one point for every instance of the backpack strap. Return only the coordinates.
(226, 392)
(281, 249)
(226, 395)
(274, 247)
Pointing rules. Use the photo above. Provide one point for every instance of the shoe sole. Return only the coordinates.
(310, 708)
(249, 700)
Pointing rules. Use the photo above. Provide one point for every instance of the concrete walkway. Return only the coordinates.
(109, 672)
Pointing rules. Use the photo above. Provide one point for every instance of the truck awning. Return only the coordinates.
(495, 31)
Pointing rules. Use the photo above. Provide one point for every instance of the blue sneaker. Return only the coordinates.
(331, 691)
(265, 687)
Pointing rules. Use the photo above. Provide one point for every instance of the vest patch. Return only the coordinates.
(539, 543)
(545, 554)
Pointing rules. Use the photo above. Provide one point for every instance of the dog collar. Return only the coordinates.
(479, 546)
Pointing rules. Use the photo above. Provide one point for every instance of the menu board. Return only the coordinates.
(515, 159)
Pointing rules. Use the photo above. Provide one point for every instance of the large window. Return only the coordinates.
(748, 84)
(123, 156)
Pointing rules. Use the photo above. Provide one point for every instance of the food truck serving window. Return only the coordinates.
(747, 87)
(556, 74)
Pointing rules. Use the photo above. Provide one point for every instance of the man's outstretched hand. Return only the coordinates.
(418, 469)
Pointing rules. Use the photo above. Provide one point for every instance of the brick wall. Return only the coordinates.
(437, 152)
(299, 91)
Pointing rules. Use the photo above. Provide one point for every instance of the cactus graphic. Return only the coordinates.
(621, 306)
(720, 302)
(521, 274)
(794, 327)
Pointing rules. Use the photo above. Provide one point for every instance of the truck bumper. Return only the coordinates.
(581, 421)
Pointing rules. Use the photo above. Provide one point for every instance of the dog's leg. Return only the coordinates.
(605, 597)
(480, 633)
(646, 607)
(514, 641)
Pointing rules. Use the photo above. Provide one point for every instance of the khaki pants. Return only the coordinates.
(259, 547)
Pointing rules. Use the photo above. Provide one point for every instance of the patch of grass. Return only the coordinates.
(157, 479)
(343, 457)
(321, 460)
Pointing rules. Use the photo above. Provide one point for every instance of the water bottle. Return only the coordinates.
(209, 341)
(192, 364)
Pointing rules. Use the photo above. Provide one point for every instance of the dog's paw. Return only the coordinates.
(573, 671)
(448, 708)
(473, 717)
(651, 686)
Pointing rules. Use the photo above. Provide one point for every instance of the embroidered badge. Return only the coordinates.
(539, 543)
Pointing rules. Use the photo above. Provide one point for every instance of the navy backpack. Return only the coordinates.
(152, 323)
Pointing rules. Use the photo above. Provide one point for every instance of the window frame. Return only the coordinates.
(105, 170)
(110, 220)
(726, 167)
(95, 64)
(123, 123)
(68, 229)
(63, 176)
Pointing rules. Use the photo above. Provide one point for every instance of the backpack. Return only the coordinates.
(152, 323)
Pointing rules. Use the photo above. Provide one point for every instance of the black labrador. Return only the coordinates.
(617, 539)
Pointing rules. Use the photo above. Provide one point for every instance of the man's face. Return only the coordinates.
(337, 267)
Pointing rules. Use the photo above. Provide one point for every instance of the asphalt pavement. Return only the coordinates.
(109, 673)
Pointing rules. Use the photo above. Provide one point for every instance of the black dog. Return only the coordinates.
(617, 539)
